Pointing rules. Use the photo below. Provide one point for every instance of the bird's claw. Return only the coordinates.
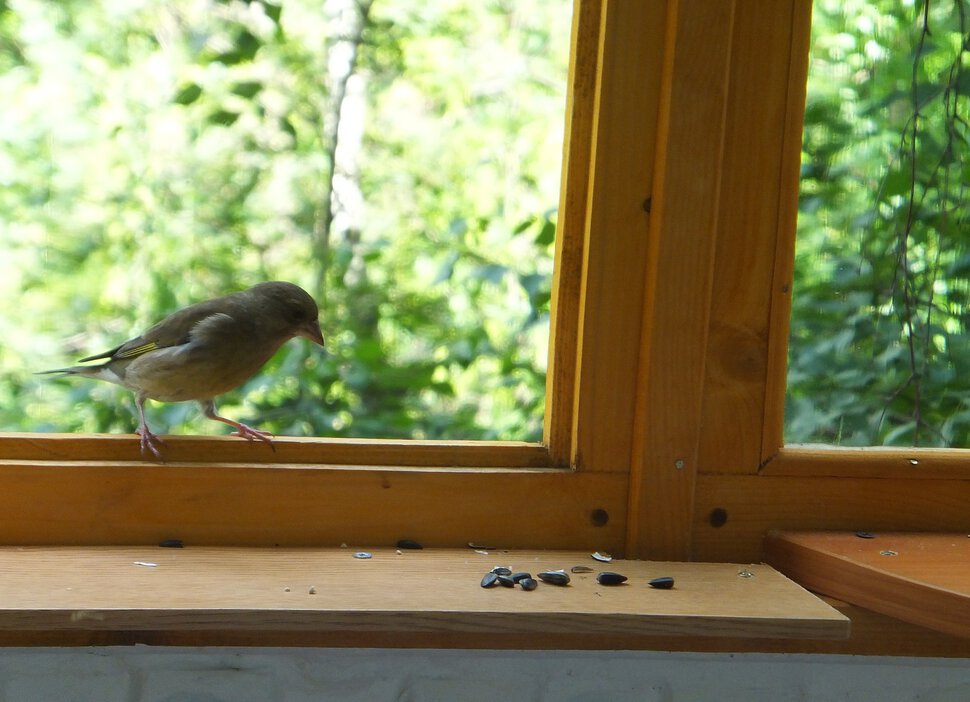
(150, 443)
(250, 434)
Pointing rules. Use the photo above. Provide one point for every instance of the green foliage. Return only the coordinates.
(156, 154)
(879, 352)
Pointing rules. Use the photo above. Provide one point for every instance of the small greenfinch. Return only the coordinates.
(205, 350)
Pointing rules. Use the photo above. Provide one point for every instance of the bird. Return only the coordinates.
(205, 350)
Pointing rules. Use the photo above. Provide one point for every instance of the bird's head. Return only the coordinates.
(290, 306)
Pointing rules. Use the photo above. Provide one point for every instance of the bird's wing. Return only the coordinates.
(175, 330)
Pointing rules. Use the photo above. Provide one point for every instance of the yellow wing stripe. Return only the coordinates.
(138, 350)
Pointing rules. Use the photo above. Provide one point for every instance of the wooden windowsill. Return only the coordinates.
(921, 578)
(217, 595)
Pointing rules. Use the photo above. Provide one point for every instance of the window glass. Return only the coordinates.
(879, 350)
(400, 159)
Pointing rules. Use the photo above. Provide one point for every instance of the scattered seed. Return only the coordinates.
(888, 552)
(172, 543)
(528, 584)
(865, 535)
(745, 573)
(312, 590)
(521, 575)
(479, 547)
(490, 580)
(603, 557)
(610, 578)
(409, 544)
(146, 564)
(554, 577)
(580, 569)
(363, 554)
(664, 582)
(502, 570)
(505, 580)
(286, 589)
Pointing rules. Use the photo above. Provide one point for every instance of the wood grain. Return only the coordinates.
(920, 578)
(559, 424)
(250, 504)
(871, 634)
(412, 591)
(683, 221)
(755, 505)
(752, 280)
(614, 265)
(285, 450)
(780, 296)
(869, 462)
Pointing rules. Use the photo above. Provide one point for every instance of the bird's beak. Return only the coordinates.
(311, 331)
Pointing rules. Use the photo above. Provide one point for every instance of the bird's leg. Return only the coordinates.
(246, 432)
(149, 440)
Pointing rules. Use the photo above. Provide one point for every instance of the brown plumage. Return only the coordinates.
(207, 349)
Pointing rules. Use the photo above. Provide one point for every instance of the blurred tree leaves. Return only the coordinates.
(156, 154)
(879, 352)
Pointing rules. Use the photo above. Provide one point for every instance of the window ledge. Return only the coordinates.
(265, 596)
(920, 578)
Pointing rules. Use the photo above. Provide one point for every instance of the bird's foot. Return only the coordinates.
(150, 443)
(250, 434)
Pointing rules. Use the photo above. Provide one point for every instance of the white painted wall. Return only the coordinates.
(143, 674)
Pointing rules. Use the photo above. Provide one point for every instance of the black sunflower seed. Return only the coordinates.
(609, 578)
(554, 577)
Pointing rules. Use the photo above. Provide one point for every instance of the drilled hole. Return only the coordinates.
(600, 517)
(718, 517)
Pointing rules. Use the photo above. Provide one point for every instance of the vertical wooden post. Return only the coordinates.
(681, 255)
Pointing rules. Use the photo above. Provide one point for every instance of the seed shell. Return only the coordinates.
(506, 580)
(502, 570)
(528, 584)
(664, 582)
(521, 575)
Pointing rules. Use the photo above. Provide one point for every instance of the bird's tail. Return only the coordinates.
(73, 370)
(100, 372)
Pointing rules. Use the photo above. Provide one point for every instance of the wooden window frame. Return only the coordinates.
(568, 490)
(714, 472)
(667, 366)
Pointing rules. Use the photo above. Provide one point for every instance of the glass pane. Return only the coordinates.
(880, 353)
(399, 159)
